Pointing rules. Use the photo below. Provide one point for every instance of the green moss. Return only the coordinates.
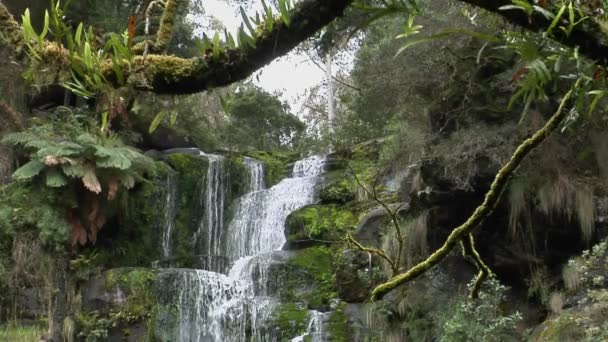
(290, 319)
(136, 242)
(337, 326)
(275, 164)
(340, 192)
(319, 223)
(317, 263)
(192, 172)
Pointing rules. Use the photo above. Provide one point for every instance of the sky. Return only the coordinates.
(292, 74)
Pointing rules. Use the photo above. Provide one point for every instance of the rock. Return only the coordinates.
(318, 224)
(353, 276)
(339, 192)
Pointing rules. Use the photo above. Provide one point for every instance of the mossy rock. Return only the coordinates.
(340, 192)
(337, 326)
(275, 164)
(290, 320)
(136, 242)
(317, 263)
(192, 174)
(119, 303)
(318, 224)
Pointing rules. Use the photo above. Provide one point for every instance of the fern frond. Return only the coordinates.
(55, 178)
(29, 170)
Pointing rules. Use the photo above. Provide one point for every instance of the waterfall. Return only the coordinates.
(210, 306)
(256, 174)
(169, 209)
(209, 234)
(258, 224)
(314, 331)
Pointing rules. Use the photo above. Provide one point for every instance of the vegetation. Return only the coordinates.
(472, 124)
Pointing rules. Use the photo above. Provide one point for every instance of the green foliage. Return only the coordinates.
(24, 207)
(64, 150)
(321, 223)
(482, 320)
(260, 120)
(18, 333)
(275, 164)
(340, 192)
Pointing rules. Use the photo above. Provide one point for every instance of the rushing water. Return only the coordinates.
(216, 307)
(209, 235)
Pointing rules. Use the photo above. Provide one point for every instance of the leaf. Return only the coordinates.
(173, 119)
(29, 170)
(284, 12)
(156, 121)
(555, 21)
(90, 181)
(55, 178)
(247, 22)
(127, 181)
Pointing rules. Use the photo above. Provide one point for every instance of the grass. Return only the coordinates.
(19, 333)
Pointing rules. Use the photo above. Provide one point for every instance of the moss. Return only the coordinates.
(136, 242)
(275, 164)
(192, 172)
(319, 223)
(290, 319)
(340, 192)
(317, 262)
(139, 307)
(337, 325)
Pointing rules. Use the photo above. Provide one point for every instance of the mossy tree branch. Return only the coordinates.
(468, 249)
(588, 35)
(173, 75)
(485, 208)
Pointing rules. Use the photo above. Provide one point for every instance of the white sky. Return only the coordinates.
(291, 74)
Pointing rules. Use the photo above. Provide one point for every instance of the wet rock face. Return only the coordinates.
(354, 276)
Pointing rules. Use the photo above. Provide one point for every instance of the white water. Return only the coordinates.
(209, 235)
(314, 331)
(233, 308)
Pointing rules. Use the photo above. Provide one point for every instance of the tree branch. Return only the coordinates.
(174, 75)
(588, 35)
(485, 208)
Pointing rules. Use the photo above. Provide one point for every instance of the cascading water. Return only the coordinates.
(209, 234)
(169, 209)
(259, 220)
(215, 307)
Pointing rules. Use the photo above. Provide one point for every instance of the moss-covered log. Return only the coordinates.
(484, 209)
(173, 75)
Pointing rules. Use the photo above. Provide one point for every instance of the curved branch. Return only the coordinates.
(485, 208)
(588, 35)
(174, 75)
(370, 250)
